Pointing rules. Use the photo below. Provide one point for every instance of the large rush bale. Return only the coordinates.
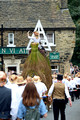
(37, 64)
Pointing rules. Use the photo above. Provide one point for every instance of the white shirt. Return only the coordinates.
(52, 88)
(72, 84)
(71, 69)
(34, 39)
(54, 80)
(78, 81)
(41, 88)
(13, 88)
(16, 98)
(66, 82)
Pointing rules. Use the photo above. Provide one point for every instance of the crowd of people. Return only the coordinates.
(72, 83)
(74, 69)
(18, 96)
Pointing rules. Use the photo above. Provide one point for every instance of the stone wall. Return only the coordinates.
(64, 40)
(20, 38)
(65, 43)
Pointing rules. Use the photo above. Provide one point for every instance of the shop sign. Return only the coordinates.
(54, 56)
(13, 50)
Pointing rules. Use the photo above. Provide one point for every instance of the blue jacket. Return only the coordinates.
(22, 109)
(5, 102)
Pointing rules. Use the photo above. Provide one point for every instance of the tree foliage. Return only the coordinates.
(74, 8)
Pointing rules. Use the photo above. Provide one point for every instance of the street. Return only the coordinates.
(72, 113)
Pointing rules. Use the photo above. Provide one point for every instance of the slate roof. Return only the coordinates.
(25, 14)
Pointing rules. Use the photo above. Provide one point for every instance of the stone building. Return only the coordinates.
(19, 16)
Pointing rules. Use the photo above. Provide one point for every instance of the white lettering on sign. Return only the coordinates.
(20, 51)
(3, 50)
(24, 50)
(12, 50)
(54, 57)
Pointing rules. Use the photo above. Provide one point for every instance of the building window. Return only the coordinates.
(55, 68)
(10, 40)
(50, 37)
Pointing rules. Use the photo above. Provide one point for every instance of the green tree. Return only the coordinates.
(74, 8)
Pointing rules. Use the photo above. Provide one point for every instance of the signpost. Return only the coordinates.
(13, 50)
(54, 56)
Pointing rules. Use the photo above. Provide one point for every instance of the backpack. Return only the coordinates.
(32, 114)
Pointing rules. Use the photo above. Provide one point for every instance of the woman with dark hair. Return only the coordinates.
(31, 100)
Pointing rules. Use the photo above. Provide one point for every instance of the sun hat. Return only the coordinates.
(36, 79)
(54, 76)
(20, 80)
(65, 76)
(78, 74)
(12, 78)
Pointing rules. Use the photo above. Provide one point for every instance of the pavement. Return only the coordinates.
(72, 113)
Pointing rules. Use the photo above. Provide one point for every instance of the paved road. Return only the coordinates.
(72, 113)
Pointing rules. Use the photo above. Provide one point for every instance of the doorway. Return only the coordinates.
(10, 65)
(12, 68)
(55, 68)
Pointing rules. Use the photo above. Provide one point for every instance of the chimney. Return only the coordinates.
(64, 4)
(61, 3)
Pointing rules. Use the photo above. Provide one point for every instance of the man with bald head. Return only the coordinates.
(5, 98)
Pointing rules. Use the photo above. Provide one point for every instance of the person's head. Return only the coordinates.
(54, 76)
(59, 77)
(20, 81)
(36, 34)
(2, 78)
(30, 95)
(69, 78)
(65, 76)
(13, 78)
(78, 74)
(29, 79)
(36, 79)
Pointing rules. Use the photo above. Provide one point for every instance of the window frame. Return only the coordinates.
(10, 45)
(55, 70)
(53, 38)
